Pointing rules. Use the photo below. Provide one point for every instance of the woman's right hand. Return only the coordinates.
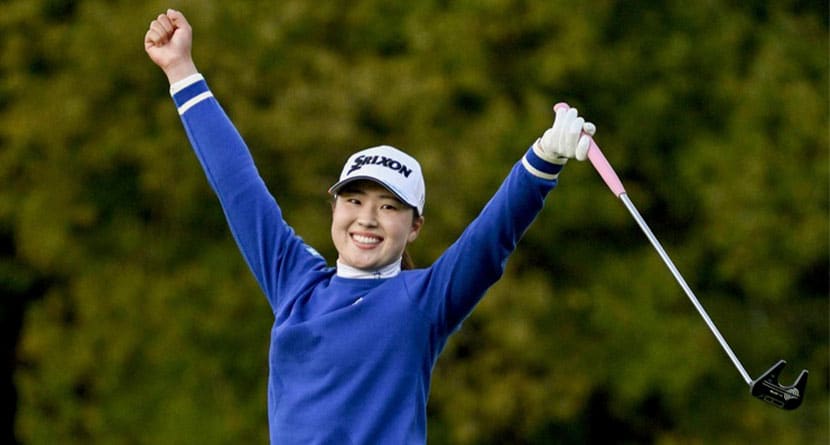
(168, 42)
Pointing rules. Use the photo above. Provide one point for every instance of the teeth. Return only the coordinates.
(366, 239)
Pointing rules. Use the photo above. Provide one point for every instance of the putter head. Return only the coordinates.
(769, 390)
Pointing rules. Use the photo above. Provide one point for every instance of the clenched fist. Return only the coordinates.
(168, 42)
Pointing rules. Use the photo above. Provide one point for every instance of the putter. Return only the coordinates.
(766, 387)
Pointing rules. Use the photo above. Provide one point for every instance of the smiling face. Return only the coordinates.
(370, 227)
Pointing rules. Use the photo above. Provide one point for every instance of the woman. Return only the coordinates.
(353, 347)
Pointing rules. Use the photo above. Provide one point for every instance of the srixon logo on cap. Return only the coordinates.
(383, 161)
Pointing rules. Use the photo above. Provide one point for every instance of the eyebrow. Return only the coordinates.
(359, 191)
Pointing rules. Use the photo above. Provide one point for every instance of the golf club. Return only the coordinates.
(765, 387)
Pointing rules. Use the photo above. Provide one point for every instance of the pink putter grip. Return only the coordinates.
(605, 170)
(600, 163)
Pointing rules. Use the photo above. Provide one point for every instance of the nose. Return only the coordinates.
(367, 217)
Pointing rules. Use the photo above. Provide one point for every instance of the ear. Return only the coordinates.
(417, 223)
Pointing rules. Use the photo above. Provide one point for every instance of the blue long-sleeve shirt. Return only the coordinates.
(350, 360)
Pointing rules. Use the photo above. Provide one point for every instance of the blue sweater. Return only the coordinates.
(350, 359)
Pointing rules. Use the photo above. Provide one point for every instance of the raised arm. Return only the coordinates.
(478, 258)
(274, 254)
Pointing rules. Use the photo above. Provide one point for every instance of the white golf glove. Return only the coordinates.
(568, 138)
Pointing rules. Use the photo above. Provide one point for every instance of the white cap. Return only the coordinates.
(389, 167)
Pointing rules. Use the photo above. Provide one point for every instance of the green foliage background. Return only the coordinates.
(141, 325)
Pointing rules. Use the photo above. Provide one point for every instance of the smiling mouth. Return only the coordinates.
(366, 239)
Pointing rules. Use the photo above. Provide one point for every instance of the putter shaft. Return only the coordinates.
(679, 278)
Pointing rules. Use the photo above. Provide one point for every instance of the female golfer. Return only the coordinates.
(353, 347)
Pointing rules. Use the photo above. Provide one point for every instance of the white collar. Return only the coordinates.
(346, 271)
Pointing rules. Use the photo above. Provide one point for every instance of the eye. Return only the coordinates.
(350, 199)
(391, 207)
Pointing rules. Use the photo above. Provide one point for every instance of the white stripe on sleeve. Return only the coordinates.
(538, 173)
(195, 100)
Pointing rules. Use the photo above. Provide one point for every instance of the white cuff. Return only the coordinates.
(179, 85)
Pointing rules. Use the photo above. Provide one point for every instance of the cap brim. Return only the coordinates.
(340, 184)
